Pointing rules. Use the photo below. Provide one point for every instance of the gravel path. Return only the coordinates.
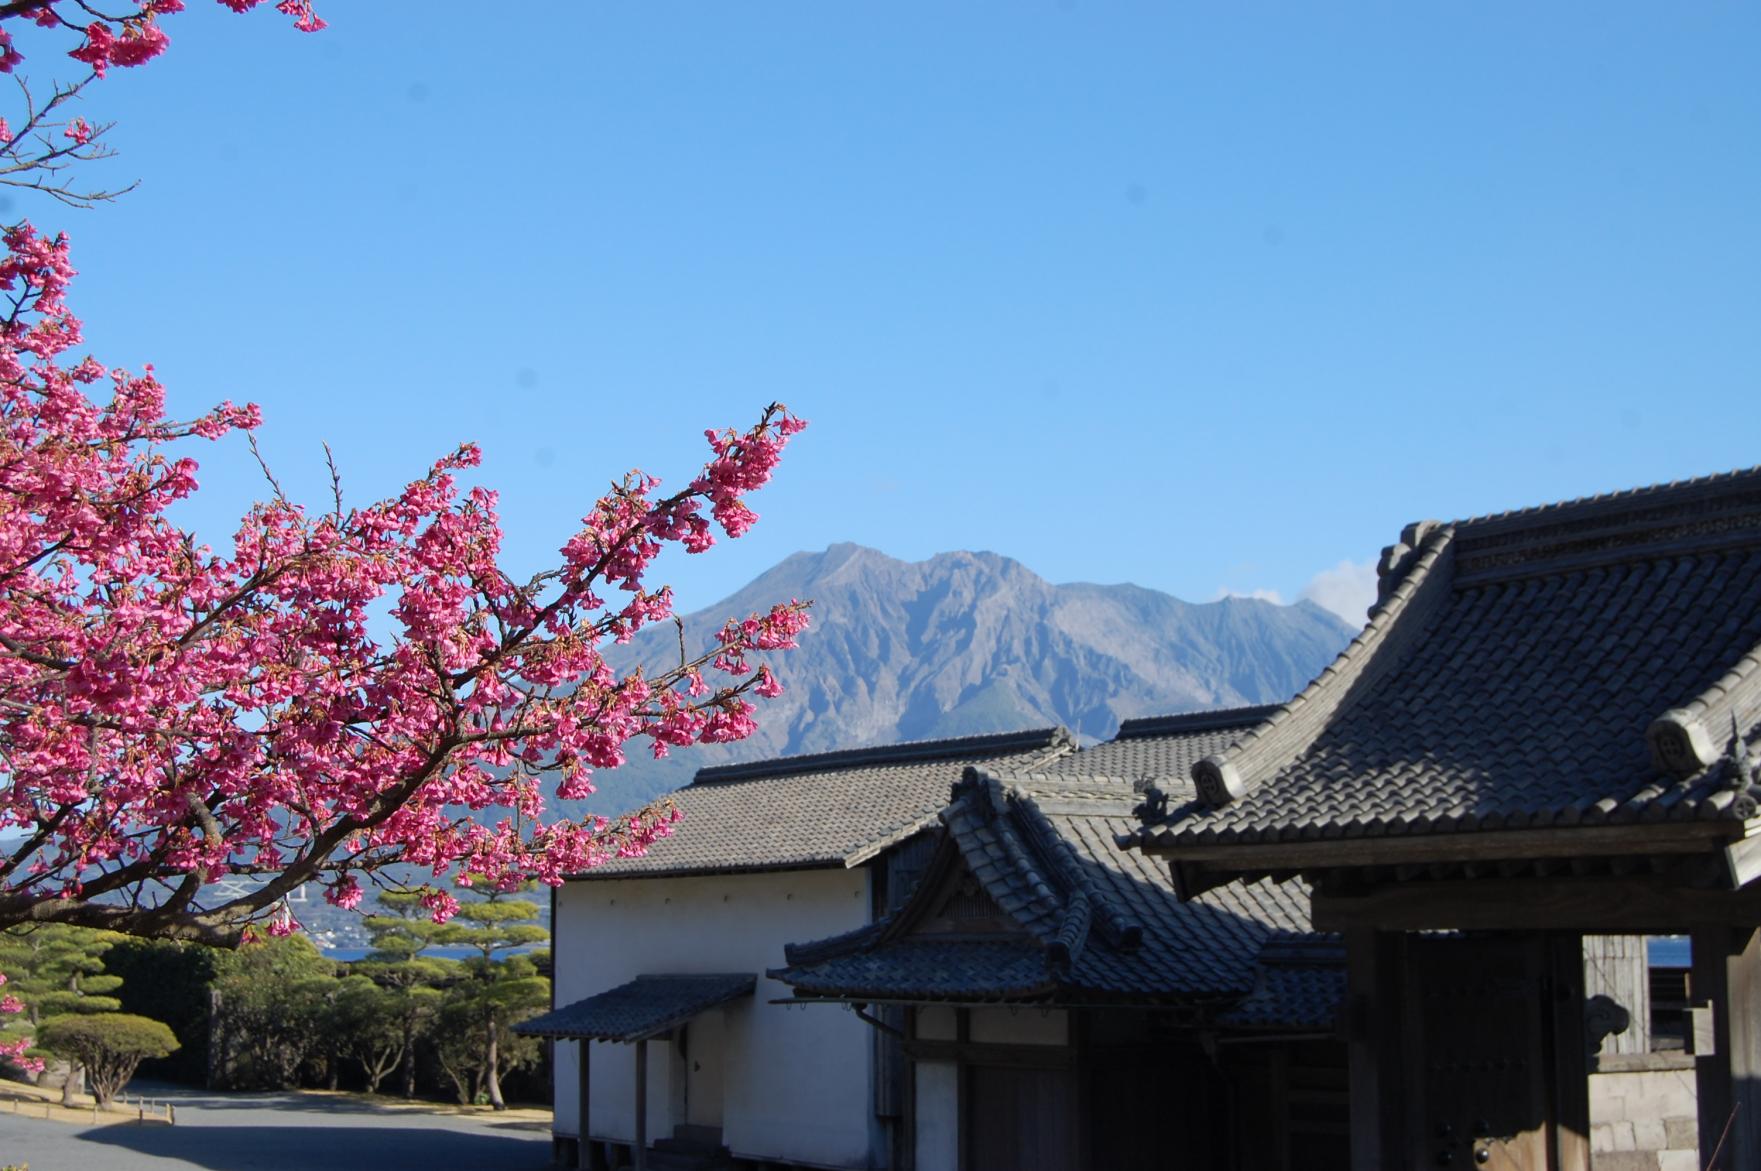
(280, 1132)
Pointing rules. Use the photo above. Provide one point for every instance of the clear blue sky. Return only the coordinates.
(1197, 296)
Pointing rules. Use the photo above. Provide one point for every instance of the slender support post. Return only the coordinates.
(584, 1159)
(1727, 979)
(1570, 1051)
(642, 1106)
(1374, 975)
(963, 1088)
(907, 1151)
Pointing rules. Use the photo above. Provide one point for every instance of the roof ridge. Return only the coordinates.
(978, 804)
(1099, 784)
(1119, 927)
(1422, 589)
(1208, 720)
(1706, 515)
(904, 752)
(1612, 501)
(1688, 739)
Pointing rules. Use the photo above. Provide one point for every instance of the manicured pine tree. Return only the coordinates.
(497, 993)
(412, 979)
(55, 970)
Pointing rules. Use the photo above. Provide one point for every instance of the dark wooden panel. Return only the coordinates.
(1635, 905)
(1020, 1118)
(1727, 977)
(1161, 1109)
(1476, 1047)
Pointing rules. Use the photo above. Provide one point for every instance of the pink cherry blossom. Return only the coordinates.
(172, 714)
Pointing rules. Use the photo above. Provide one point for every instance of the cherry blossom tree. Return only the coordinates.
(46, 140)
(339, 688)
(171, 715)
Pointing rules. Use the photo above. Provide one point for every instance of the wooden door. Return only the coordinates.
(1020, 1119)
(1477, 1020)
(705, 1044)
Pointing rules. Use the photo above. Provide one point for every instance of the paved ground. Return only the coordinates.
(280, 1132)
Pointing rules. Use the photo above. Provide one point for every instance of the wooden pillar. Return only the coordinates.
(1373, 1007)
(1727, 979)
(1082, 1137)
(1570, 1054)
(642, 1106)
(906, 1154)
(962, 1089)
(584, 1152)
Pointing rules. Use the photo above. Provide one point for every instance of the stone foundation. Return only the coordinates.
(1642, 1113)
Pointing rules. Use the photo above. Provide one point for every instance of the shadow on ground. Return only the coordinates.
(349, 1145)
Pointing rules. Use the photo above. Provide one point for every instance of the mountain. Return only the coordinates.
(966, 643)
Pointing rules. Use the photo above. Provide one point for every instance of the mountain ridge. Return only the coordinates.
(972, 642)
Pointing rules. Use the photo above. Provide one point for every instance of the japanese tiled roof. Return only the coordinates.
(1578, 664)
(1161, 746)
(1300, 985)
(1086, 922)
(645, 1007)
(825, 809)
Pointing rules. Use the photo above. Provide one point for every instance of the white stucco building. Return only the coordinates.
(660, 961)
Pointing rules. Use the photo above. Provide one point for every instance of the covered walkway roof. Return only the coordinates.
(645, 1007)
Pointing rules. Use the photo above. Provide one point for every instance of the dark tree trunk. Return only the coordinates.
(409, 1060)
(492, 1063)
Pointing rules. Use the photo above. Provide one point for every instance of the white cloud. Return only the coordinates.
(1348, 589)
(1272, 596)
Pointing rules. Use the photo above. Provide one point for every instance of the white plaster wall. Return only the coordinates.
(1024, 1026)
(936, 1022)
(938, 1116)
(796, 1079)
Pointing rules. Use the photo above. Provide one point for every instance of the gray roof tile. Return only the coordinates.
(828, 809)
(646, 1006)
(1161, 746)
(1095, 923)
(1301, 985)
(1510, 676)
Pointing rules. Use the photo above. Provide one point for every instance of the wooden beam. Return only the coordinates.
(1742, 862)
(1608, 905)
(993, 1053)
(1727, 976)
(1587, 841)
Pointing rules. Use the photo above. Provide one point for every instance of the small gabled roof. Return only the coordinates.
(826, 809)
(1085, 922)
(1162, 746)
(645, 1007)
(1301, 985)
(1577, 665)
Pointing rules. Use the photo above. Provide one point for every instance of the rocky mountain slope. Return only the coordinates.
(965, 643)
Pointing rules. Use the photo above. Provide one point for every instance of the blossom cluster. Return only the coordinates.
(128, 38)
(171, 714)
(131, 37)
(32, 155)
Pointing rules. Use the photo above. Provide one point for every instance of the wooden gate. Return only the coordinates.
(1479, 1033)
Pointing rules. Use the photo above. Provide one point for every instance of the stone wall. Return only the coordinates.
(1642, 1114)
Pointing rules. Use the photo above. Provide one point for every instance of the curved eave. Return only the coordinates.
(1409, 846)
